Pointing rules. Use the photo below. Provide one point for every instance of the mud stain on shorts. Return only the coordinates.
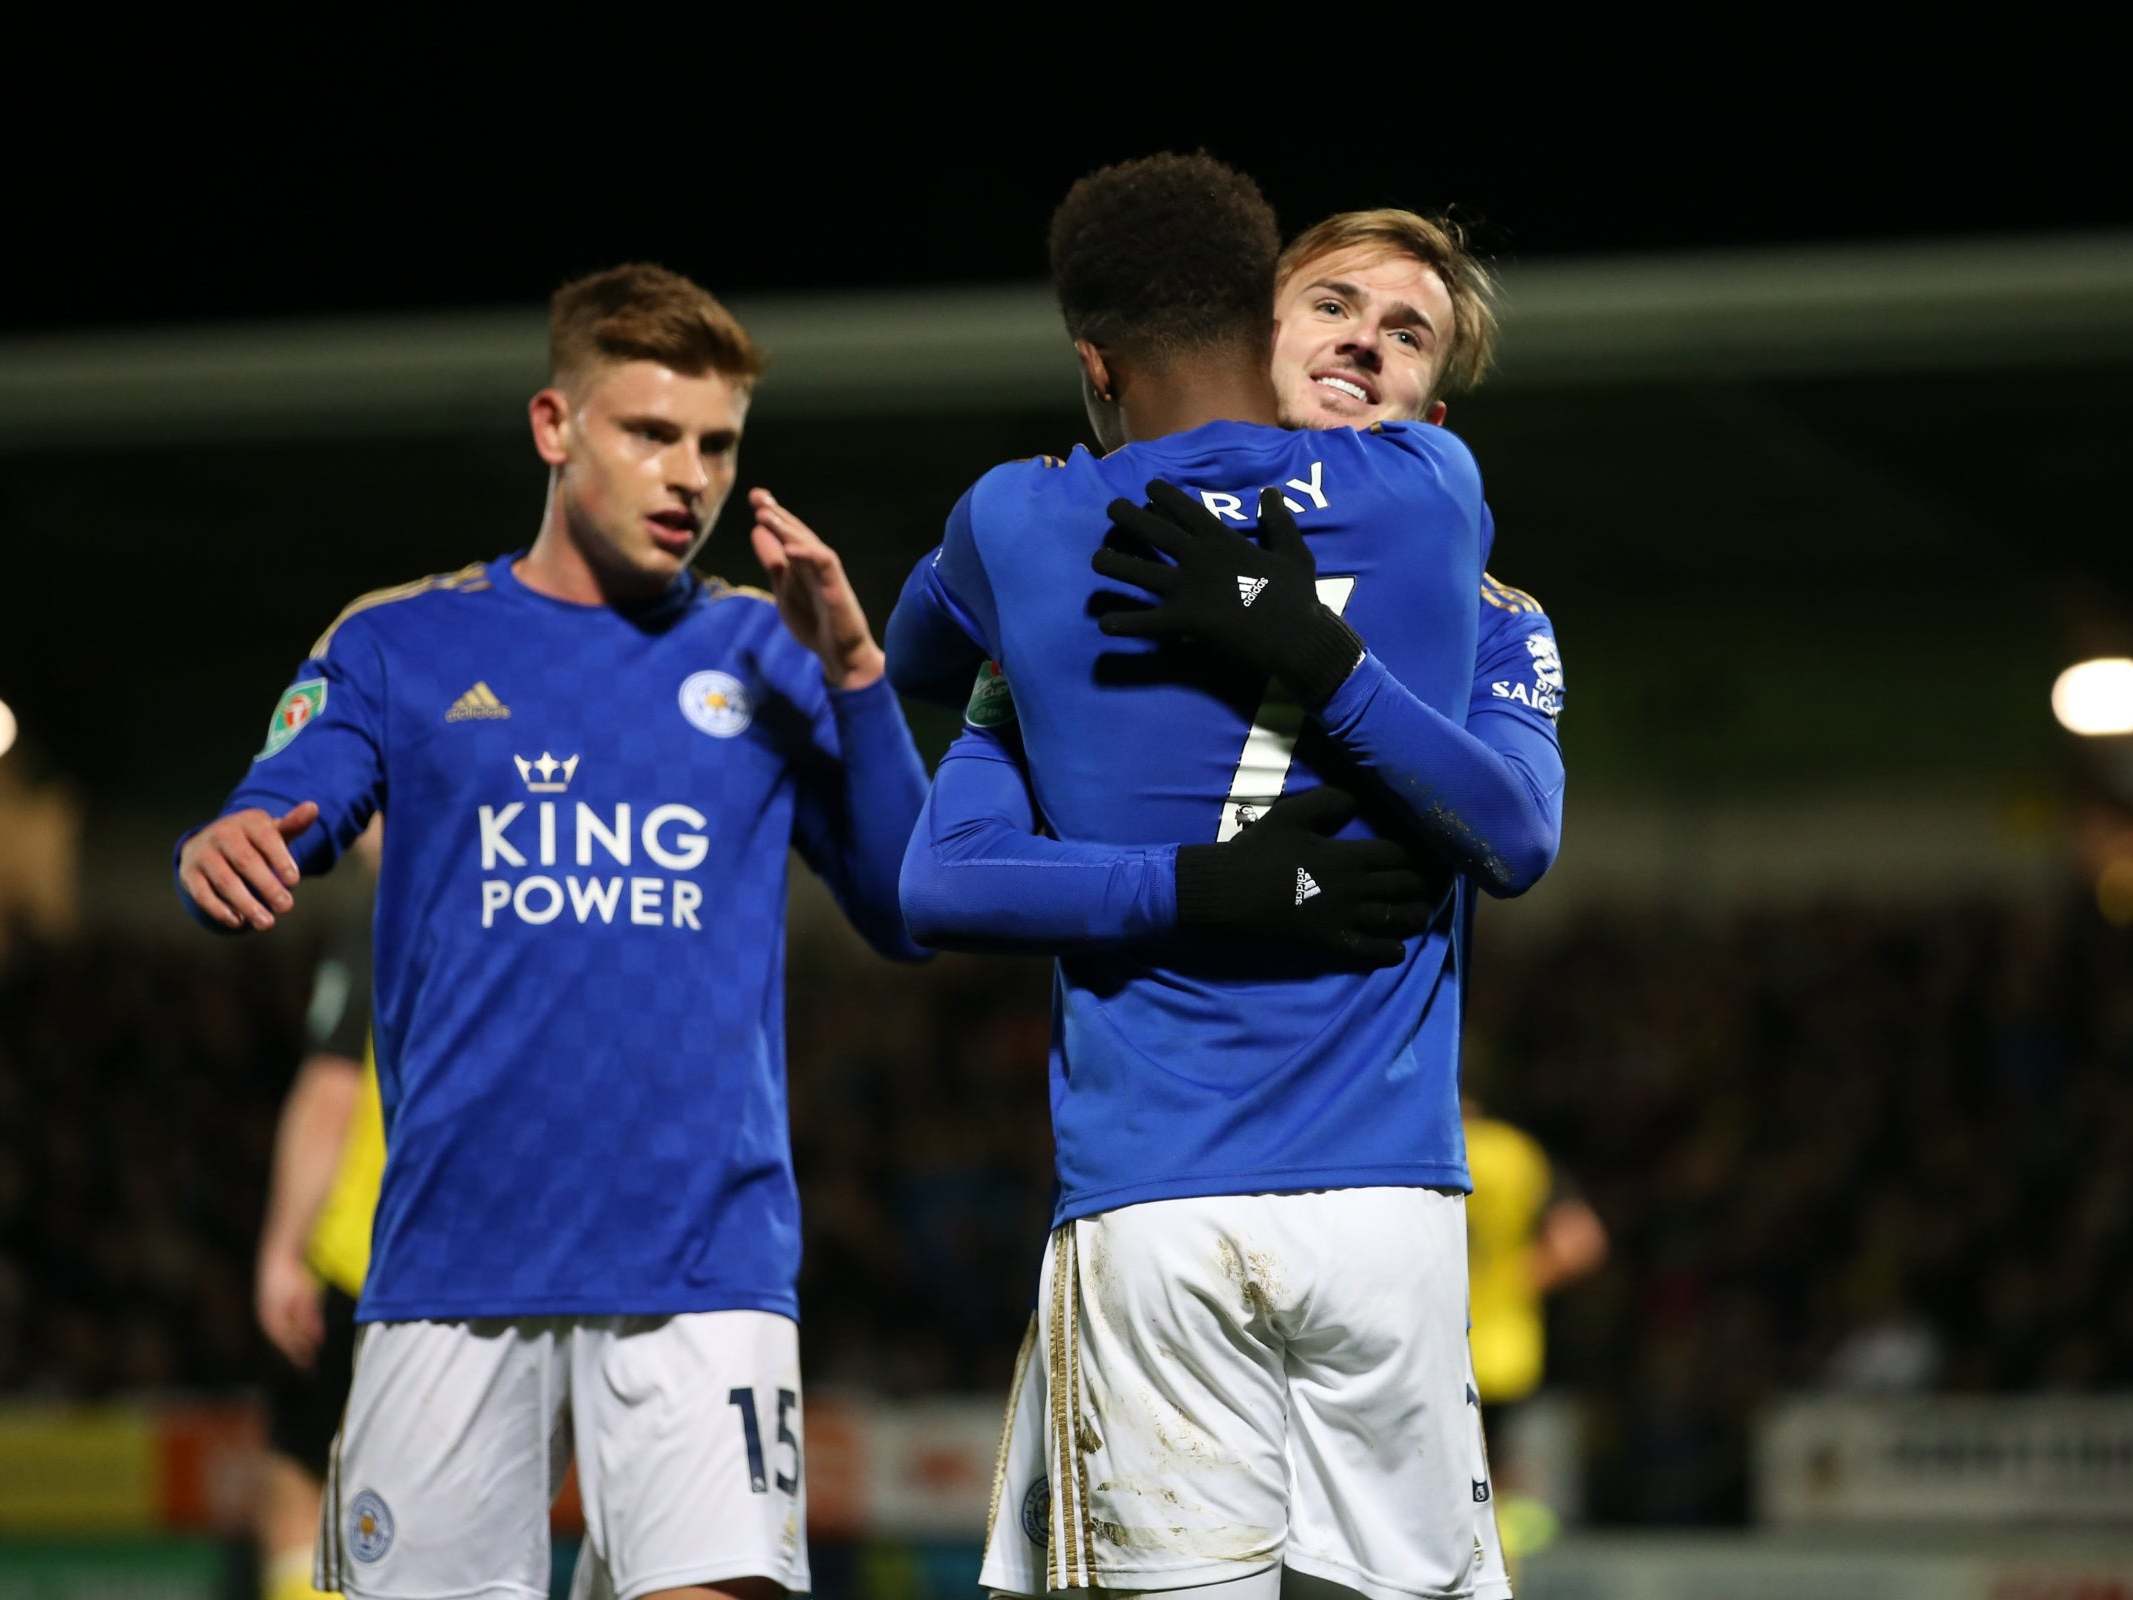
(1230, 1543)
(1257, 1276)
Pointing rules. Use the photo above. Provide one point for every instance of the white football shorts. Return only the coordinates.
(685, 1430)
(1220, 1385)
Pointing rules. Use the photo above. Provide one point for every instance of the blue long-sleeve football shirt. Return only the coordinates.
(580, 927)
(1488, 810)
(1208, 1072)
(980, 875)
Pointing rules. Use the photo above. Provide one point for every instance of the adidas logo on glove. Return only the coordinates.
(1248, 588)
(1306, 886)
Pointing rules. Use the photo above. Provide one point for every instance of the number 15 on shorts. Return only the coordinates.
(743, 1400)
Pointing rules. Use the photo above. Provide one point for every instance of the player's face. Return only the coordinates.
(1360, 336)
(650, 456)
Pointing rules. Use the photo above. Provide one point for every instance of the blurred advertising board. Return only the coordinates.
(1785, 1567)
(918, 1470)
(2052, 1461)
(69, 1469)
(120, 1569)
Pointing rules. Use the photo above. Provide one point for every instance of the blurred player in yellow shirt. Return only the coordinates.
(1528, 1234)
(314, 1248)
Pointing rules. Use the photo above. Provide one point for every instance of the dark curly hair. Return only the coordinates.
(1164, 255)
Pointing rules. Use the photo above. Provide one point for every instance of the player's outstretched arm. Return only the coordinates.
(1254, 601)
(861, 782)
(1287, 879)
(237, 873)
(980, 876)
(860, 790)
(309, 792)
(1490, 794)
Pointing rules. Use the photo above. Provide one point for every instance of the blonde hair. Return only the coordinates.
(640, 312)
(1437, 243)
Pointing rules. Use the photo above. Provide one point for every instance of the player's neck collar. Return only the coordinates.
(670, 601)
(1207, 432)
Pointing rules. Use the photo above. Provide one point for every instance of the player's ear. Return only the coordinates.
(1096, 371)
(1099, 396)
(1435, 412)
(549, 411)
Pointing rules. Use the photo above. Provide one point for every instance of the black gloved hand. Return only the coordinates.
(1284, 879)
(1256, 602)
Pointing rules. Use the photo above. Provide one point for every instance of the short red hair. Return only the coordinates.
(640, 312)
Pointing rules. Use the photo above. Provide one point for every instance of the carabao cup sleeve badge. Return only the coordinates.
(296, 711)
(992, 702)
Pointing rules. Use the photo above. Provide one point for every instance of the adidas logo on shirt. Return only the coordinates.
(477, 704)
(1248, 588)
(1306, 885)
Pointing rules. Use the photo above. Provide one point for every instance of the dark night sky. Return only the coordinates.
(230, 208)
(236, 208)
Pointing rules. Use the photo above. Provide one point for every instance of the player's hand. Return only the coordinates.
(814, 596)
(1286, 879)
(291, 1306)
(1256, 602)
(238, 868)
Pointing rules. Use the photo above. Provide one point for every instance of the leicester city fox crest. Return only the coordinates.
(370, 1526)
(716, 703)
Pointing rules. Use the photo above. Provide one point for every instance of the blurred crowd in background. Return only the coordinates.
(1842, 1147)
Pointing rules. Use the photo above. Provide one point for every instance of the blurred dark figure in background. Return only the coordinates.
(314, 1246)
(1528, 1233)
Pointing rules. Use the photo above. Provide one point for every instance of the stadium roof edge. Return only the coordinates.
(1978, 306)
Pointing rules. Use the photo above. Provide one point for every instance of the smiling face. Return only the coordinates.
(1361, 336)
(646, 457)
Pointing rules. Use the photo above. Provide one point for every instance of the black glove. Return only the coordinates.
(1284, 879)
(1257, 603)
